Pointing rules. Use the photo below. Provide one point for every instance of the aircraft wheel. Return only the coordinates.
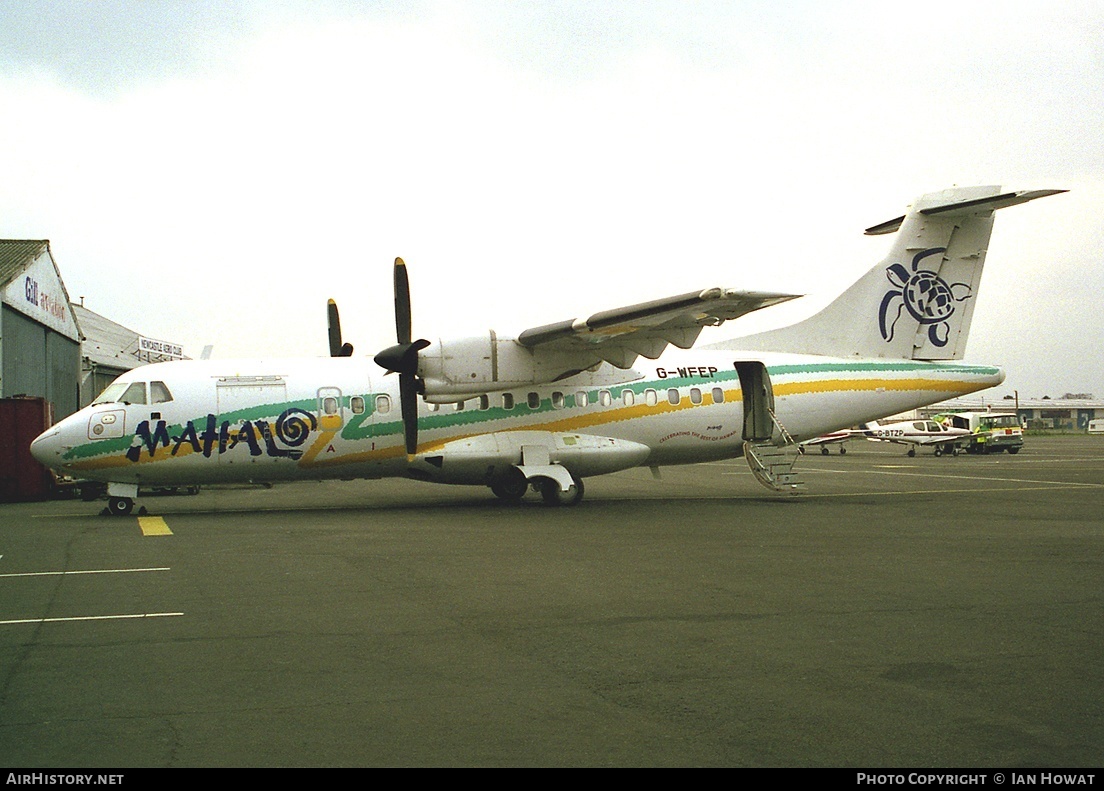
(912, 452)
(843, 450)
(550, 491)
(512, 487)
(120, 506)
(938, 451)
(823, 450)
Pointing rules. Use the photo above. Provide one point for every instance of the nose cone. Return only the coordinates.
(46, 447)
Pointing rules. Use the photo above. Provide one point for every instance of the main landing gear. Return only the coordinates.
(552, 495)
(513, 486)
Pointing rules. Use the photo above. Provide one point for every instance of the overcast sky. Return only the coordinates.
(212, 172)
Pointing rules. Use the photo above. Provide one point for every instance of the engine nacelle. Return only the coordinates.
(455, 368)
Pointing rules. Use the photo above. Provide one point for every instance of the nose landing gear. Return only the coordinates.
(120, 498)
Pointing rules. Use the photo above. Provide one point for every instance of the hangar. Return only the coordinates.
(55, 357)
(40, 338)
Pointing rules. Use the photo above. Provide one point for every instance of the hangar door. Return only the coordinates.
(39, 362)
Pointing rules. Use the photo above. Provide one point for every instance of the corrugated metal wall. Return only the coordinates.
(39, 362)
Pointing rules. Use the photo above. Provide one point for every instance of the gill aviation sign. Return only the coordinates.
(37, 292)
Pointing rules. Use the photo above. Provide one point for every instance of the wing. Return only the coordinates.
(835, 436)
(621, 335)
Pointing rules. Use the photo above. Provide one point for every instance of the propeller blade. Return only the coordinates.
(402, 303)
(408, 398)
(333, 323)
(402, 358)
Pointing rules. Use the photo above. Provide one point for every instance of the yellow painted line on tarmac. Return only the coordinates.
(153, 526)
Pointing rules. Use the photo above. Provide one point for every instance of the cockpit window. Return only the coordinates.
(111, 393)
(135, 394)
(159, 393)
(126, 393)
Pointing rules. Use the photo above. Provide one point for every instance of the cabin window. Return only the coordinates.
(458, 406)
(356, 403)
(159, 393)
(557, 400)
(329, 405)
(628, 397)
(434, 407)
(919, 425)
(673, 397)
(484, 402)
(534, 400)
(718, 395)
(695, 396)
(135, 394)
(581, 398)
(383, 404)
(507, 401)
(651, 397)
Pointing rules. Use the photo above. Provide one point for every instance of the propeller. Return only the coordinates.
(333, 323)
(402, 358)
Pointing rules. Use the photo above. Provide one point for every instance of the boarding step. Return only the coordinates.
(773, 466)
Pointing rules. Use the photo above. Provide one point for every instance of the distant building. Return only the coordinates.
(39, 334)
(1070, 414)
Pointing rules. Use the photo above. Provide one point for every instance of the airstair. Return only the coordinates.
(773, 465)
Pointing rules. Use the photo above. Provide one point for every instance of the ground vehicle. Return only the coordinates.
(992, 431)
(1096, 426)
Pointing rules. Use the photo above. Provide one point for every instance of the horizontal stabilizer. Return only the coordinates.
(962, 207)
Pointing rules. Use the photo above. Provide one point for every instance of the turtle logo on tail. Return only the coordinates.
(925, 295)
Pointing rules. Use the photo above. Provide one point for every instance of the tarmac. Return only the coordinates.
(903, 612)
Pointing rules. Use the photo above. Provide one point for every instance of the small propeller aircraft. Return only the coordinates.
(561, 402)
(914, 433)
(918, 433)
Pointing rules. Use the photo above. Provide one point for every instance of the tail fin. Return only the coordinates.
(918, 302)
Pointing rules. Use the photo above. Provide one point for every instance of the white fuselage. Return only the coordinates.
(270, 420)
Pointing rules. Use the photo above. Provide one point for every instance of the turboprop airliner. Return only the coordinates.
(559, 403)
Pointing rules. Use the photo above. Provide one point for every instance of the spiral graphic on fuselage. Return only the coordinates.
(294, 426)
